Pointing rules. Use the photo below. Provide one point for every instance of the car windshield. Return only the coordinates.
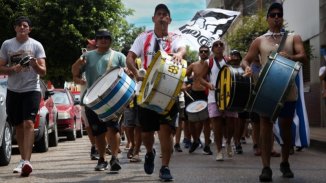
(60, 98)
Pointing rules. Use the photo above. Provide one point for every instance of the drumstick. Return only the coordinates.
(189, 96)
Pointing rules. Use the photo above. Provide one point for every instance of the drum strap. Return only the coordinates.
(110, 60)
(282, 41)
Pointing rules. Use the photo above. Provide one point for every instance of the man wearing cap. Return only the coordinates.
(293, 50)
(95, 63)
(23, 92)
(145, 46)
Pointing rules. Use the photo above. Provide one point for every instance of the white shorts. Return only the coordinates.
(214, 112)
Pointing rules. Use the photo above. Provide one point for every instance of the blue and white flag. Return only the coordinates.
(300, 126)
(207, 26)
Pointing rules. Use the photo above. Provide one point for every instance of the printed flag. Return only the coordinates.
(207, 26)
(300, 126)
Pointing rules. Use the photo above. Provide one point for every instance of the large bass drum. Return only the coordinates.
(110, 94)
(233, 90)
(162, 83)
(273, 86)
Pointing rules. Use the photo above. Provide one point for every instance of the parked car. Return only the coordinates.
(45, 126)
(5, 127)
(69, 114)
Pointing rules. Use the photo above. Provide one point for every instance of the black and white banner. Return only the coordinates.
(207, 26)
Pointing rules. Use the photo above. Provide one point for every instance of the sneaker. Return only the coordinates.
(243, 140)
(187, 143)
(207, 150)
(229, 151)
(19, 167)
(94, 154)
(149, 162)
(285, 169)
(266, 175)
(101, 165)
(238, 149)
(26, 169)
(193, 147)
(177, 148)
(165, 174)
(115, 165)
(220, 156)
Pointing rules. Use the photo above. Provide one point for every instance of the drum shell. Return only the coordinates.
(114, 91)
(273, 86)
(199, 115)
(240, 89)
(162, 84)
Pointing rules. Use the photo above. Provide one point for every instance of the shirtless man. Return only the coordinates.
(198, 92)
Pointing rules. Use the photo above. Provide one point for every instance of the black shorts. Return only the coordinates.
(150, 120)
(97, 125)
(22, 106)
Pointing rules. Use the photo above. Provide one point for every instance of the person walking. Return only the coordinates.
(23, 92)
(95, 63)
(146, 46)
(294, 50)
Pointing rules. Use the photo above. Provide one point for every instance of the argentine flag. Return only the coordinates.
(300, 126)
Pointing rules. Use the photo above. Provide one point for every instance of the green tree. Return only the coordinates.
(251, 27)
(63, 26)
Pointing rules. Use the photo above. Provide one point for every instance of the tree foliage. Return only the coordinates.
(251, 27)
(63, 26)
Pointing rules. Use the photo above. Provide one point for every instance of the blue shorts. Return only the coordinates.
(288, 110)
(97, 125)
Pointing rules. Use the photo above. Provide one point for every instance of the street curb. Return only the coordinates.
(318, 145)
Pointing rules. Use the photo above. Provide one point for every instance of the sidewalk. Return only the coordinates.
(318, 138)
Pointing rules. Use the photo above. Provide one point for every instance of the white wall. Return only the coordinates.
(302, 17)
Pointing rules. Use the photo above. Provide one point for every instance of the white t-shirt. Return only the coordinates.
(144, 45)
(11, 52)
(213, 78)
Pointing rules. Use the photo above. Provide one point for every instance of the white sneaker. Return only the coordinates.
(220, 156)
(26, 169)
(19, 167)
(229, 151)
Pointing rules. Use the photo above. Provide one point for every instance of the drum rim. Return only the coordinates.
(120, 75)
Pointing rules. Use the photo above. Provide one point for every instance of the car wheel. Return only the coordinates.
(53, 137)
(72, 134)
(43, 144)
(6, 145)
(80, 131)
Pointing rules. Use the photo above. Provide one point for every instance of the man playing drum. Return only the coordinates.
(198, 92)
(145, 46)
(216, 116)
(95, 64)
(293, 50)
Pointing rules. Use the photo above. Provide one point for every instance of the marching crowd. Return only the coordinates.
(141, 124)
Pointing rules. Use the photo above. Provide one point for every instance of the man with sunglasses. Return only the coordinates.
(146, 46)
(95, 63)
(293, 50)
(198, 92)
(216, 116)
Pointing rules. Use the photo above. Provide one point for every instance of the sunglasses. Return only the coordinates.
(103, 37)
(273, 15)
(218, 45)
(203, 51)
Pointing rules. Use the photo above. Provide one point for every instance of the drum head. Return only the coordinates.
(102, 85)
(151, 77)
(196, 106)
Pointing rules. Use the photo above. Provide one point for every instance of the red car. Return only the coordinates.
(69, 114)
